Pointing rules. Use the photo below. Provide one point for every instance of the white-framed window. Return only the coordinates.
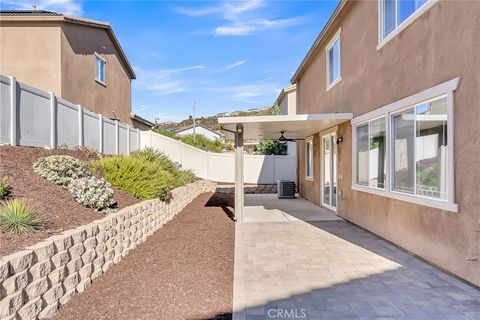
(371, 153)
(333, 61)
(420, 147)
(100, 64)
(309, 158)
(405, 150)
(395, 15)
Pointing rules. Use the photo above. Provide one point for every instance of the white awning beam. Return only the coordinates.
(297, 126)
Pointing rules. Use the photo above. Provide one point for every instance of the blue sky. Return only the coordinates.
(225, 55)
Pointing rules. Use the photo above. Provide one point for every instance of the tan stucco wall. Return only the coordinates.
(79, 43)
(441, 45)
(31, 53)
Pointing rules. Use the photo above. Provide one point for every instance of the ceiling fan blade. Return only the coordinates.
(283, 139)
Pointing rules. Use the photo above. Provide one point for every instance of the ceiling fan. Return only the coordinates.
(283, 139)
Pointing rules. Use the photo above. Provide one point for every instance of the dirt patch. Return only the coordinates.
(55, 203)
(183, 271)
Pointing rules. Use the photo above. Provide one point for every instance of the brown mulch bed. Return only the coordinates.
(183, 271)
(55, 203)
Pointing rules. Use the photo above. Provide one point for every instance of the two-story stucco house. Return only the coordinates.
(388, 113)
(78, 59)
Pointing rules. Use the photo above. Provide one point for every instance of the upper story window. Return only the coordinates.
(333, 61)
(309, 159)
(396, 14)
(100, 64)
(404, 150)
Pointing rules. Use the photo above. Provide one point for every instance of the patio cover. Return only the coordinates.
(297, 126)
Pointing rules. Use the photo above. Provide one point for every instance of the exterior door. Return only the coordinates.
(329, 171)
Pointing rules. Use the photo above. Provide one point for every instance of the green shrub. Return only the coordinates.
(92, 192)
(145, 174)
(202, 142)
(61, 169)
(17, 217)
(4, 188)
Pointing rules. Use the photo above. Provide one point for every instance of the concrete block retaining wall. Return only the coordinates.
(36, 281)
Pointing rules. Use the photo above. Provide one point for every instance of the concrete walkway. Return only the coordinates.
(327, 268)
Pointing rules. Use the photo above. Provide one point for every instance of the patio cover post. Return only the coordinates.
(239, 195)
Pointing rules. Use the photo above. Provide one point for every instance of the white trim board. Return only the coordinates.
(437, 204)
(438, 90)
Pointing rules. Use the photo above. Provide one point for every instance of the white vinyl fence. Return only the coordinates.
(221, 166)
(32, 117)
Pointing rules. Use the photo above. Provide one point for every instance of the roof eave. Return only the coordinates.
(142, 120)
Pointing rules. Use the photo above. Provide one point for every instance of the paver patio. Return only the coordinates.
(327, 268)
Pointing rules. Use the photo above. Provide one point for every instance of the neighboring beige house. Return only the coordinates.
(287, 100)
(78, 59)
(387, 102)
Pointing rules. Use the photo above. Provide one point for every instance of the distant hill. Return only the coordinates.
(212, 122)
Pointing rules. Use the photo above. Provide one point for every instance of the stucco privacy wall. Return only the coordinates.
(442, 44)
(36, 281)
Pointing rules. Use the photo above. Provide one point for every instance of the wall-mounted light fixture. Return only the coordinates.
(339, 140)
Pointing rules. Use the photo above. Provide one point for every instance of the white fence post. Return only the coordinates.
(117, 138)
(138, 139)
(80, 125)
(13, 111)
(53, 121)
(100, 133)
(128, 139)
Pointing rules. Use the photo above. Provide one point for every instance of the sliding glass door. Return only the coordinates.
(329, 171)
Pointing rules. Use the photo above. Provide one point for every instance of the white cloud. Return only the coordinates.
(241, 18)
(72, 7)
(253, 93)
(244, 28)
(166, 87)
(164, 81)
(230, 10)
(235, 64)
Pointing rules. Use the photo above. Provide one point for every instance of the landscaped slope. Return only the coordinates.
(55, 203)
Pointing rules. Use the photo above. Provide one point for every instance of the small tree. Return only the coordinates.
(275, 110)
